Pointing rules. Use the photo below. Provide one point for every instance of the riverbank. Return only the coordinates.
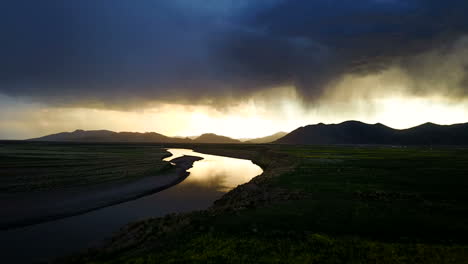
(23, 209)
(158, 231)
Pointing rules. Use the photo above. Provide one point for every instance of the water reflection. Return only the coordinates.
(209, 179)
(217, 172)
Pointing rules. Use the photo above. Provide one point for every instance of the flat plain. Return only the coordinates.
(36, 166)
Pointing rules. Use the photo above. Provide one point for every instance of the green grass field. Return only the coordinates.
(315, 248)
(358, 205)
(28, 166)
(400, 194)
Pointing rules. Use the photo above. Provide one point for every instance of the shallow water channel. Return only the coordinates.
(209, 179)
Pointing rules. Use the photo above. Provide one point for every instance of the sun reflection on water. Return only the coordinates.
(217, 172)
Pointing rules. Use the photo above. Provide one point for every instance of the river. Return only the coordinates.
(208, 180)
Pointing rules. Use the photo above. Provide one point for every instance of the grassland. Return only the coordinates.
(356, 204)
(29, 166)
(315, 248)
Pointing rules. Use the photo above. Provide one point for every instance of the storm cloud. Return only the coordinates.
(110, 52)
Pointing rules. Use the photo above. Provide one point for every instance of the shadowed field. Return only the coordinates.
(31, 166)
(313, 204)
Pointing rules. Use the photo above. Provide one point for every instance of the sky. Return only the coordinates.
(238, 68)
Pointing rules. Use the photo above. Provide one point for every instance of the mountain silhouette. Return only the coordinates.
(110, 136)
(267, 139)
(213, 138)
(355, 132)
(349, 132)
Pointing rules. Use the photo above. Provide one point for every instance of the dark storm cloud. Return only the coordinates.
(111, 51)
(311, 43)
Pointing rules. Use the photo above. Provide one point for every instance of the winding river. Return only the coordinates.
(208, 180)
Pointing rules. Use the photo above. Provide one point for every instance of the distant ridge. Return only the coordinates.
(110, 136)
(213, 138)
(267, 139)
(80, 135)
(149, 137)
(355, 132)
(349, 132)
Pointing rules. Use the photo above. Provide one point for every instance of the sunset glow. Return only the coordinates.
(245, 120)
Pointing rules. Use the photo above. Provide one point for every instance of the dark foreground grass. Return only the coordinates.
(397, 194)
(359, 204)
(27, 166)
(313, 248)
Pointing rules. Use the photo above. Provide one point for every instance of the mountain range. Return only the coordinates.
(354, 132)
(213, 138)
(110, 136)
(349, 132)
(267, 139)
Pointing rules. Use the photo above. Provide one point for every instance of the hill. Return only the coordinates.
(267, 139)
(213, 138)
(354, 132)
(110, 136)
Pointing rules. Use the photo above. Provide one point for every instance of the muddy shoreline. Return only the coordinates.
(21, 210)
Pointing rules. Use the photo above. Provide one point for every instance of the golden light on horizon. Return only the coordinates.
(407, 112)
(249, 119)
